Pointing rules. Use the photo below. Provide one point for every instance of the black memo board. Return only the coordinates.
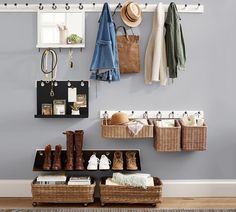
(61, 92)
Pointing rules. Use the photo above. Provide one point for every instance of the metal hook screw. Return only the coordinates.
(81, 6)
(5, 4)
(67, 7)
(82, 83)
(94, 4)
(54, 6)
(68, 83)
(146, 4)
(26, 4)
(15, 4)
(40, 6)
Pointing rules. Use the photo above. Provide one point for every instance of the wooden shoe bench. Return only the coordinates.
(85, 194)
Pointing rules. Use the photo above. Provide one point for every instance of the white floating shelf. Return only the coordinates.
(63, 46)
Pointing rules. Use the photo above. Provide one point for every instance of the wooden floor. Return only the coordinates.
(168, 203)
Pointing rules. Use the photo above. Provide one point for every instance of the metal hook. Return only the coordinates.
(185, 113)
(42, 83)
(198, 5)
(146, 4)
(172, 114)
(82, 83)
(15, 4)
(5, 4)
(94, 4)
(26, 4)
(159, 115)
(145, 115)
(54, 6)
(68, 83)
(55, 83)
(105, 115)
(40, 6)
(81, 6)
(67, 7)
(185, 6)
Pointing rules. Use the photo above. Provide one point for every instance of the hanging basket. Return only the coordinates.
(122, 131)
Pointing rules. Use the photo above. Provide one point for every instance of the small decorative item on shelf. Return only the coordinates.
(46, 109)
(74, 39)
(63, 31)
(59, 107)
(75, 109)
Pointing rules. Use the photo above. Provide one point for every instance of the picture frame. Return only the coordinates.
(81, 100)
(46, 109)
(59, 107)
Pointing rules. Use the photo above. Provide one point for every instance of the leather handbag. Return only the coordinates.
(129, 52)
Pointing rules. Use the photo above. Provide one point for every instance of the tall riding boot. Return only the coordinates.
(47, 158)
(57, 158)
(79, 161)
(69, 150)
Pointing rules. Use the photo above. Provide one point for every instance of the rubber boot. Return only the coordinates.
(69, 150)
(79, 161)
(47, 158)
(57, 158)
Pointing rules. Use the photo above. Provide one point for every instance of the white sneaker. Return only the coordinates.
(104, 163)
(93, 163)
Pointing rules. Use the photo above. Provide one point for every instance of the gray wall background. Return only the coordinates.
(208, 84)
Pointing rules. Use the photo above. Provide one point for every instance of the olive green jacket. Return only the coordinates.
(175, 47)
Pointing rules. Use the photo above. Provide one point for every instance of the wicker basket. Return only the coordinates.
(62, 193)
(131, 195)
(122, 131)
(167, 139)
(193, 137)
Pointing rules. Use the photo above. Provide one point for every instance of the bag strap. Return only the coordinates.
(124, 30)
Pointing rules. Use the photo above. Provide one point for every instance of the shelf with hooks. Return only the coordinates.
(183, 8)
(153, 113)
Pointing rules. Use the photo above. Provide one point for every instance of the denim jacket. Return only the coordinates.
(105, 64)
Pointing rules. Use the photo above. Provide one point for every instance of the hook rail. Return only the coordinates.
(66, 7)
(154, 113)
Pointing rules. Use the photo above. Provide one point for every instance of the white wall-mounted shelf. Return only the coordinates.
(67, 46)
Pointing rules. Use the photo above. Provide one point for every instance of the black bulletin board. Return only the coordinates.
(61, 93)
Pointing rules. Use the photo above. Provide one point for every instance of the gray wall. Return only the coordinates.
(208, 84)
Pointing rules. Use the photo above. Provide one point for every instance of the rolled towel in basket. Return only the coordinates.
(135, 180)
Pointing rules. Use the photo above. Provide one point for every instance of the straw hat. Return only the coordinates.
(131, 14)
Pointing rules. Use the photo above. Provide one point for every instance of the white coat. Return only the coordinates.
(155, 57)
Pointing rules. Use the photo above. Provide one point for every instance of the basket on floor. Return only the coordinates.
(130, 195)
(62, 193)
(194, 137)
(167, 139)
(122, 131)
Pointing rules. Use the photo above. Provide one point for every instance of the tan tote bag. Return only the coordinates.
(129, 52)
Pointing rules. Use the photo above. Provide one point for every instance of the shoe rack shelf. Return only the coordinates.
(60, 89)
(39, 159)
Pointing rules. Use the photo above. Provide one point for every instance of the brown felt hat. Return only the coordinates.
(131, 14)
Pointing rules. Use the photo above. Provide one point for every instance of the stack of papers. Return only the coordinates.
(51, 179)
(79, 181)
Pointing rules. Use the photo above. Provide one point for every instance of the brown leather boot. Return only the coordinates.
(79, 161)
(69, 150)
(131, 161)
(117, 161)
(57, 158)
(47, 158)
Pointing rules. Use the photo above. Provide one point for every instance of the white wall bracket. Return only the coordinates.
(154, 113)
(183, 8)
